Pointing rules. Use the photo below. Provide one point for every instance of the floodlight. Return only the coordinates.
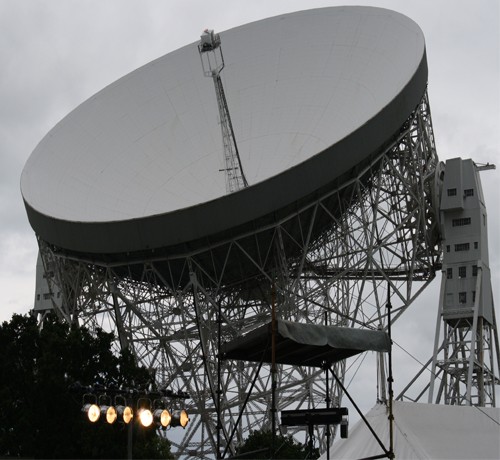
(301, 417)
(109, 412)
(162, 417)
(146, 417)
(92, 411)
(344, 427)
(180, 418)
(125, 413)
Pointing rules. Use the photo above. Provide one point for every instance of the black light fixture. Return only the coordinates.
(107, 410)
(109, 413)
(90, 407)
(124, 412)
(144, 412)
(180, 418)
(145, 417)
(162, 417)
(92, 411)
(148, 413)
(313, 417)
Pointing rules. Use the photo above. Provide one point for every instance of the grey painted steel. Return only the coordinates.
(386, 232)
(313, 95)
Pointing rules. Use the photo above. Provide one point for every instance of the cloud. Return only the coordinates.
(17, 276)
(57, 53)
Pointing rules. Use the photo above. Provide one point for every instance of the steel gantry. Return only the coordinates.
(331, 261)
(212, 61)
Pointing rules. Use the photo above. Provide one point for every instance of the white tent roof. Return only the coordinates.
(425, 431)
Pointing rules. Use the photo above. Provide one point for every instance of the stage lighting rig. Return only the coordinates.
(151, 407)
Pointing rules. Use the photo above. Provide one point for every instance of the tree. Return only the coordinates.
(258, 445)
(40, 416)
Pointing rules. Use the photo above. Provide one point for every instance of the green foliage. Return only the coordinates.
(258, 445)
(40, 417)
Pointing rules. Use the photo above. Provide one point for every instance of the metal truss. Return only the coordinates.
(330, 262)
(464, 382)
(464, 363)
(213, 64)
(462, 367)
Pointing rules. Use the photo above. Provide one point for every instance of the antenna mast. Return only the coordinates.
(212, 61)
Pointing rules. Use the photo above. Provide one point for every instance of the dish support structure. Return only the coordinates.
(377, 230)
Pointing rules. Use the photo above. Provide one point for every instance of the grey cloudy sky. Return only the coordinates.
(55, 54)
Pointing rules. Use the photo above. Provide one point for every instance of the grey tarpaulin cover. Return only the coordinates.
(304, 344)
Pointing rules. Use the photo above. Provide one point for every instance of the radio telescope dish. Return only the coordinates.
(311, 94)
(138, 235)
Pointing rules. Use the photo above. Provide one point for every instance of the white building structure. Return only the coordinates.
(465, 357)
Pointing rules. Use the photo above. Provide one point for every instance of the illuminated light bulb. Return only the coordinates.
(111, 415)
(146, 417)
(163, 417)
(108, 413)
(93, 412)
(180, 418)
(128, 414)
(125, 413)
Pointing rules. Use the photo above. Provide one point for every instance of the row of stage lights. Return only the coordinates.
(148, 411)
(161, 417)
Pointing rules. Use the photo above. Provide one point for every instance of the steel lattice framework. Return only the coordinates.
(213, 64)
(467, 346)
(378, 229)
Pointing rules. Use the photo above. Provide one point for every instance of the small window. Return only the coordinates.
(449, 273)
(452, 192)
(38, 297)
(447, 248)
(469, 192)
(474, 270)
(476, 245)
(473, 296)
(462, 272)
(461, 222)
(462, 247)
(46, 296)
(462, 297)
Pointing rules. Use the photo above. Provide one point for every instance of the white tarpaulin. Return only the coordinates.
(425, 431)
